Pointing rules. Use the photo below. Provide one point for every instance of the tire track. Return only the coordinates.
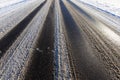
(104, 51)
(41, 65)
(83, 58)
(13, 64)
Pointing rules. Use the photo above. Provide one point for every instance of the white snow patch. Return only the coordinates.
(4, 3)
(112, 6)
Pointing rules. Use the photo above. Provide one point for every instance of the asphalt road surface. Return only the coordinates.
(58, 40)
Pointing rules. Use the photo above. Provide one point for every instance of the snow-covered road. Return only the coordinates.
(58, 40)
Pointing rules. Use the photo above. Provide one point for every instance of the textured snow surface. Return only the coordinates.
(12, 15)
(13, 64)
(112, 6)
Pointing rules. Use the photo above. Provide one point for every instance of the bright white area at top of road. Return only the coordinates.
(112, 6)
(4, 3)
(113, 3)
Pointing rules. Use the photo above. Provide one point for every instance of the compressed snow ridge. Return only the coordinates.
(62, 63)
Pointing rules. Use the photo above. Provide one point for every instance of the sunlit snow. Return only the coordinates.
(112, 6)
(4, 3)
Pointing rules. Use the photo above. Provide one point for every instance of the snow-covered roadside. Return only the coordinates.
(110, 6)
(9, 5)
(6, 3)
